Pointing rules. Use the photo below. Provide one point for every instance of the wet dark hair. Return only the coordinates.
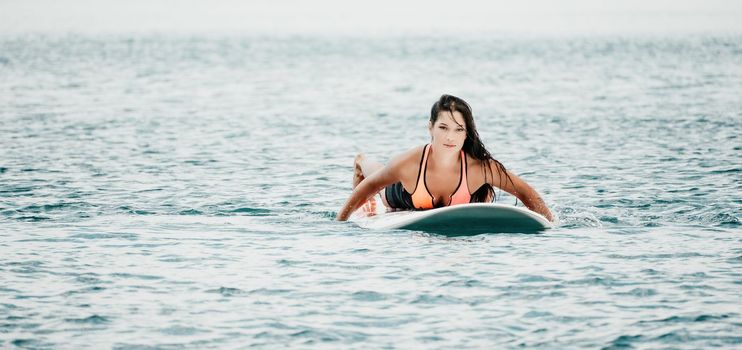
(473, 145)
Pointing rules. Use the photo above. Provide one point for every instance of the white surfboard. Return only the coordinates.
(458, 220)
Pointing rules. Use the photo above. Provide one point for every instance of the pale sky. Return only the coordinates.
(372, 17)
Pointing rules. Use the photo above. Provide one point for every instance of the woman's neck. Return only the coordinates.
(444, 158)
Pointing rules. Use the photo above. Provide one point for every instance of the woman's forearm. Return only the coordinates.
(363, 192)
(535, 203)
(346, 210)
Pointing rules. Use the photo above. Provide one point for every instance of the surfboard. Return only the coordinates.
(458, 220)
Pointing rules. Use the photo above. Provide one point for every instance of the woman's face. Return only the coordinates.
(449, 131)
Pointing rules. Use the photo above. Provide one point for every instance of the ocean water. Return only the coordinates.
(174, 191)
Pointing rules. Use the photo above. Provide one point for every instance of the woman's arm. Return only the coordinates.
(368, 188)
(520, 189)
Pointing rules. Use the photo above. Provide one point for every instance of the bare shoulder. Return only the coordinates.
(407, 164)
(475, 171)
(484, 171)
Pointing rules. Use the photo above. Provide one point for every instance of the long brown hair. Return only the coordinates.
(473, 145)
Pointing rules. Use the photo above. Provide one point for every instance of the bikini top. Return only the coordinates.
(421, 197)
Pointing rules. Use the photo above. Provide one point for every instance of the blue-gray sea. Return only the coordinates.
(177, 191)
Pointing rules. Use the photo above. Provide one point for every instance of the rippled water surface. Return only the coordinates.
(174, 191)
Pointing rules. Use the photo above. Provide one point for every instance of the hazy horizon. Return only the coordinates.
(382, 17)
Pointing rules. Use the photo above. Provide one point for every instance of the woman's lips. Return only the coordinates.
(450, 146)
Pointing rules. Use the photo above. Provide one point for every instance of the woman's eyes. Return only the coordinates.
(445, 128)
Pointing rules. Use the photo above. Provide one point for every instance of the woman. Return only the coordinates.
(441, 173)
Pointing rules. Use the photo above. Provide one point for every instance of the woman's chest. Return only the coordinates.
(442, 185)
